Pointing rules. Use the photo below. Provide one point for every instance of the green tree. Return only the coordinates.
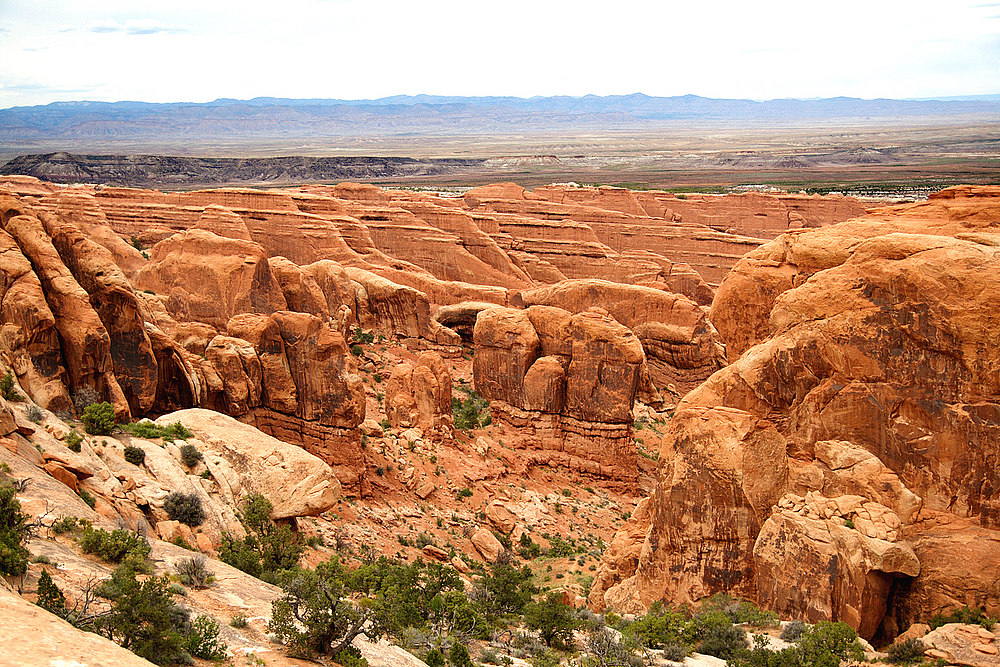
(13, 533)
(315, 617)
(267, 548)
(552, 618)
(506, 590)
(459, 656)
(50, 598)
(143, 617)
(99, 419)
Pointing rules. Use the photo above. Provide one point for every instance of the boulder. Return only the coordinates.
(296, 482)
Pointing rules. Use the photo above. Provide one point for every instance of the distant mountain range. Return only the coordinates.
(428, 115)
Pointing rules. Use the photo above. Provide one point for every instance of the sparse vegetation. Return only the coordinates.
(190, 455)
(135, 455)
(184, 507)
(969, 615)
(73, 441)
(14, 527)
(147, 430)
(194, 572)
(117, 546)
(99, 419)
(472, 411)
(7, 388)
(84, 397)
(907, 651)
(34, 414)
(267, 548)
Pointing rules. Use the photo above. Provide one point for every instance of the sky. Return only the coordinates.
(201, 50)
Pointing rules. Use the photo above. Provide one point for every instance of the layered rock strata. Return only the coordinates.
(566, 381)
(836, 468)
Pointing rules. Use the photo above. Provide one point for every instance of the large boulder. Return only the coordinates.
(296, 482)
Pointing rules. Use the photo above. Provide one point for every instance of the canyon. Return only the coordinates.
(790, 398)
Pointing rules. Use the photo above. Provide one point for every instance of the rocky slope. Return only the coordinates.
(843, 466)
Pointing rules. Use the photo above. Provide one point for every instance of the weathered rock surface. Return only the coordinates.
(53, 640)
(419, 394)
(871, 396)
(576, 400)
(296, 482)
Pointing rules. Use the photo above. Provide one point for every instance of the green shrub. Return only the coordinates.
(190, 456)
(350, 657)
(829, 643)
(14, 530)
(238, 621)
(661, 627)
(356, 350)
(193, 572)
(117, 546)
(434, 658)
(73, 440)
(724, 642)
(968, 615)
(184, 507)
(267, 548)
(458, 656)
(313, 618)
(471, 412)
(910, 650)
(552, 618)
(202, 640)
(50, 598)
(793, 631)
(68, 524)
(149, 431)
(144, 619)
(464, 493)
(86, 497)
(7, 389)
(99, 419)
(135, 455)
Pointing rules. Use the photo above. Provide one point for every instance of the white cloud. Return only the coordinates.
(199, 51)
(133, 27)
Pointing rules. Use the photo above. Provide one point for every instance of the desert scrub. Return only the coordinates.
(911, 650)
(116, 546)
(135, 455)
(73, 441)
(793, 631)
(99, 419)
(7, 389)
(184, 507)
(471, 412)
(190, 455)
(194, 572)
(147, 430)
(34, 414)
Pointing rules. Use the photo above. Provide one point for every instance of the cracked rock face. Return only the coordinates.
(866, 352)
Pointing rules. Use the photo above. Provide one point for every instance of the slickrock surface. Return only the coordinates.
(53, 640)
(843, 461)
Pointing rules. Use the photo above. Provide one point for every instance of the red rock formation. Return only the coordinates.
(210, 279)
(419, 394)
(876, 391)
(681, 346)
(575, 407)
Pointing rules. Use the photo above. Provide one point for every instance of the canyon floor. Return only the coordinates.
(642, 396)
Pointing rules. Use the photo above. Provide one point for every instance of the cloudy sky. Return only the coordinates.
(200, 50)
